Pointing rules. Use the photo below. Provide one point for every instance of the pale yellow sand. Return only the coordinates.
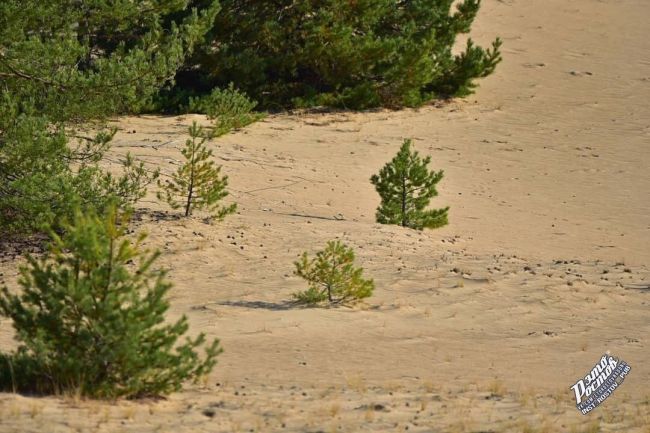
(480, 326)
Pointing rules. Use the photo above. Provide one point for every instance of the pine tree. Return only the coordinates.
(228, 108)
(197, 184)
(352, 54)
(63, 63)
(406, 187)
(332, 276)
(90, 319)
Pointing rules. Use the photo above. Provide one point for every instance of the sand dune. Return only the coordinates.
(479, 326)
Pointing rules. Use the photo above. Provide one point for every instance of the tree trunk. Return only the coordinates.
(188, 205)
(404, 221)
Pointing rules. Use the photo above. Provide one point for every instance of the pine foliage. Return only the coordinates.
(332, 276)
(63, 63)
(228, 108)
(406, 187)
(85, 60)
(354, 54)
(197, 184)
(90, 319)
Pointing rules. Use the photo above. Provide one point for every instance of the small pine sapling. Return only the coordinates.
(332, 276)
(406, 186)
(90, 319)
(198, 183)
(228, 108)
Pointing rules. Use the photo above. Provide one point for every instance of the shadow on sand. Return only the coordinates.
(274, 306)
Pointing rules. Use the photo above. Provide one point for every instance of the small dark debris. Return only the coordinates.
(378, 407)
(210, 413)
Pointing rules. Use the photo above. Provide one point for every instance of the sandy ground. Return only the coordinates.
(481, 326)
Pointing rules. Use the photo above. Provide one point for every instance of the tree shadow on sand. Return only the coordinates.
(13, 247)
(263, 305)
(144, 214)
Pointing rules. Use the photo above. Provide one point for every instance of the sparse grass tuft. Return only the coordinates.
(592, 427)
(497, 387)
(334, 410)
(356, 383)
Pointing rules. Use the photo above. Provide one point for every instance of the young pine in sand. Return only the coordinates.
(90, 319)
(406, 187)
(332, 276)
(197, 184)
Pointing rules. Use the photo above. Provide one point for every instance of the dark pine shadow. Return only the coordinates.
(274, 306)
(155, 215)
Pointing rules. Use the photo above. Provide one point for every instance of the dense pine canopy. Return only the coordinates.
(353, 54)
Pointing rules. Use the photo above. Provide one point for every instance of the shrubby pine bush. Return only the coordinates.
(63, 63)
(406, 187)
(197, 184)
(90, 319)
(125, 190)
(42, 179)
(353, 54)
(228, 108)
(332, 276)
